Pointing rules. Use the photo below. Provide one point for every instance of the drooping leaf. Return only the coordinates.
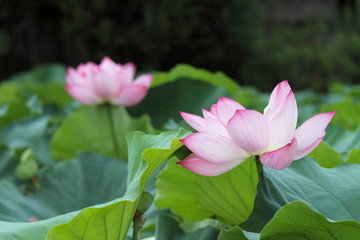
(342, 148)
(112, 220)
(298, 221)
(326, 156)
(354, 156)
(228, 197)
(99, 129)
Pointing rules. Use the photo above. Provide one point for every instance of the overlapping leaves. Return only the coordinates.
(145, 157)
(326, 194)
(65, 187)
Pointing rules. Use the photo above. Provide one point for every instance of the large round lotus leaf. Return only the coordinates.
(333, 192)
(65, 187)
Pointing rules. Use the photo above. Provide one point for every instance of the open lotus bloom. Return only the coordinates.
(228, 134)
(107, 82)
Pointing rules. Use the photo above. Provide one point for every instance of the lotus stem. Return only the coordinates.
(112, 130)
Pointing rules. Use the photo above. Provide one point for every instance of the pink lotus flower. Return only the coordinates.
(229, 134)
(107, 82)
(33, 219)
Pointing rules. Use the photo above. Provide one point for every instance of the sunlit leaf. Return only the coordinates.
(354, 156)
(228, 197)
(326, 156)
(344, 148)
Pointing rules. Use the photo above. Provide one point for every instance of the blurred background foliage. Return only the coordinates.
(312, 43)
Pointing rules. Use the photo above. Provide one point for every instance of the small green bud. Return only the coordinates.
(28, 166)
(145, 202)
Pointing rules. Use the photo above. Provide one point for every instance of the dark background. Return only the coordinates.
(310, 42)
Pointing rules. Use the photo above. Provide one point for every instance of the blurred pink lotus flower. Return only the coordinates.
(33, 219)
(228, 134)
(107, 82)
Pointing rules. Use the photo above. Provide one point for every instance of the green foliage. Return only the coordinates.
(38, 131)
(12, 111)
(347, 115)
(94, 179)
(326, 156)
(235, 233)
(64, 187)
(170, 230)
(13, 104)
(354, 156)
(99, 129)
(187, 71)
(28, 166)
(98, 196)
(200, 195)
(297, 221)
(170, 99)
(186, 88)
(30, 231)
(343, 148)
(7, 163)
(10, 92)
(145, 157)
(332, 192)
(47, 83)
